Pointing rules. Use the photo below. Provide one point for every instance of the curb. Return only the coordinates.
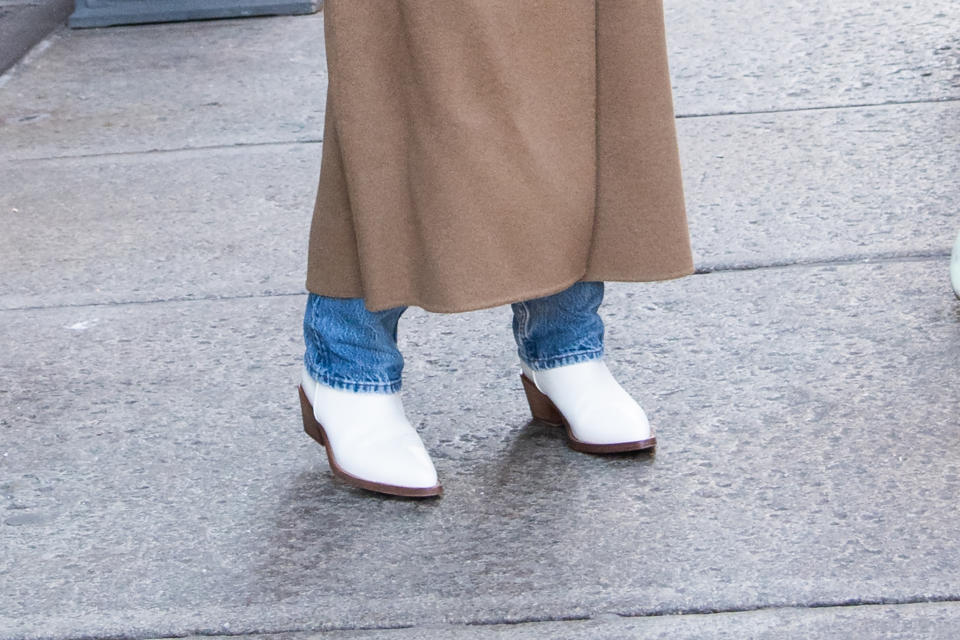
(23, 26)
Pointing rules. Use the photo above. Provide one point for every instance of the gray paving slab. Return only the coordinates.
(263, 80)
(822, 185)
(169, 225)
(761, 189)
(168, 86)
(931, 621)
(155, 482)
(755, 55)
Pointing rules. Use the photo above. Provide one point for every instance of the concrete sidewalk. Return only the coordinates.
(156, 186)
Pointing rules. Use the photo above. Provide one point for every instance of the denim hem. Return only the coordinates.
(564, 359)
(389, 386)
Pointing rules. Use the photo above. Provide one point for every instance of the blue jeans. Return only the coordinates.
(352, 348)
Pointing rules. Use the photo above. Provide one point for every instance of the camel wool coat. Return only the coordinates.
(481, 152)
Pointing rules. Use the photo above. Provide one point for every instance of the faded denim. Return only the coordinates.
(349, 347)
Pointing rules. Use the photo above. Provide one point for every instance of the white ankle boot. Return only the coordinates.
(598, 414)
(369, 441)
(955, 267)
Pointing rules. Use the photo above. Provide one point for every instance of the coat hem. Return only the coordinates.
(516, 297)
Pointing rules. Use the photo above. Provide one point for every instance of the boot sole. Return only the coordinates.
(315, 430)
(543, 409)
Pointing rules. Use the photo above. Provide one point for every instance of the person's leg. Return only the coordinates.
(350, 387)
(349, 347)
(560, 344)
(560, 329)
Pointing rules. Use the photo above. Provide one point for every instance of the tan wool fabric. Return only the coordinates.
(481, 152)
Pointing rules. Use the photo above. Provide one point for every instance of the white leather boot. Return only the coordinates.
(598, 414)
(955, 267)
(368, 439)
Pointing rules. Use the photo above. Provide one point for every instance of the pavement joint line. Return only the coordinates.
(823, 604)
(878, 258)
(829, 107)
(688, 611)
(122, 303)
(240, 145)
(148, 152)
(665, 613)
(703, 270)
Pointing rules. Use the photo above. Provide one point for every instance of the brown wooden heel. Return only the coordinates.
(545, 411)
(310, 424)
(541, 407)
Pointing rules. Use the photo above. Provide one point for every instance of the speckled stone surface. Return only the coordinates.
(155, 480)
(180, 225)
(168, 86)
(752, 55)
(248, 81)
(822, 185)
(761, 189)
(156, 184)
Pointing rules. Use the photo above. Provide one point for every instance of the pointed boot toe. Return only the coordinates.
(598, 415)
(368, 440)
(390, 462)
